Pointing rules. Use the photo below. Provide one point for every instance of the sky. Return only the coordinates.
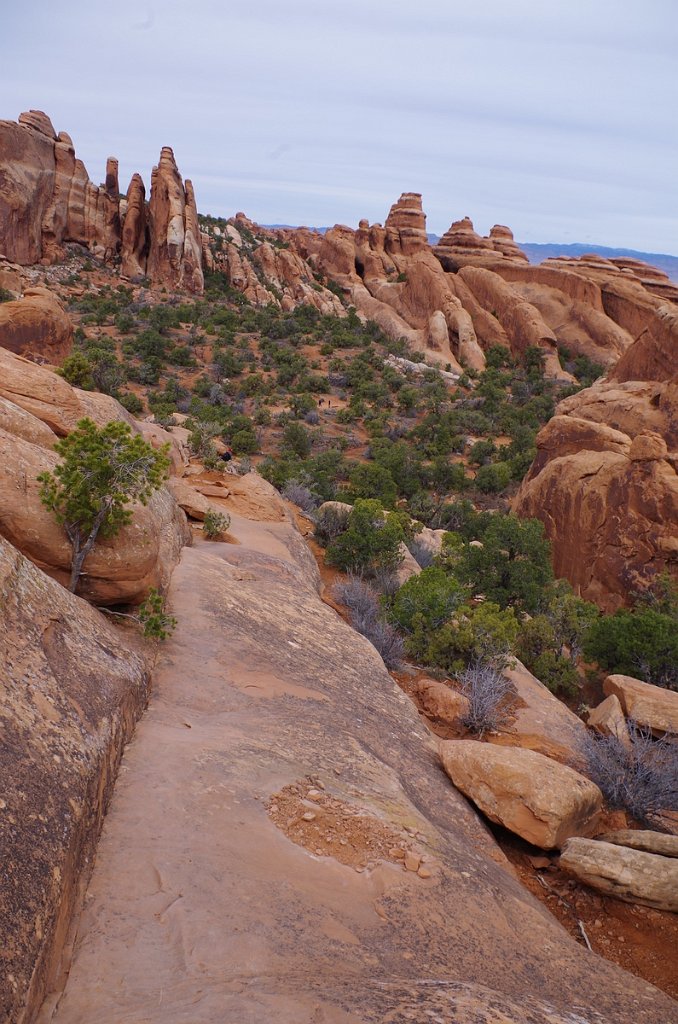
(558, 118)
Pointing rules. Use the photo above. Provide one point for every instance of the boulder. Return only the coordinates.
(608, 719)
(533, 796)
(408, 567)
(539, 721)
(650, 842)
(194, 504)
(631, 875)
(72, 690)
(438, 700)
(37, 326)
(648, 705)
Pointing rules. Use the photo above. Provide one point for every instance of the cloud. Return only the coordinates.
(554, 118)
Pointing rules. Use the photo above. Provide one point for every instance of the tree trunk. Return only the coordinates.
(79, 555)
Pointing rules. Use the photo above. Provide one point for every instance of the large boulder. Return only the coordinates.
(648, 705)
(539, 799)
(604, 484)
(539, 721)
(37, 326)
(439, 701)
(634, 876)
(71, 691)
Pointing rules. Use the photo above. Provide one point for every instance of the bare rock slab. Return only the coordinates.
(634, 876)
(544, 802)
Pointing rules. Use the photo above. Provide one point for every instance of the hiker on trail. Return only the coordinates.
(227, 455)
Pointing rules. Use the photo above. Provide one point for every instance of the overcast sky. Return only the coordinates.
(556, 117)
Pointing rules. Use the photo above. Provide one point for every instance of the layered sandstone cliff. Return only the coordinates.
(47, 200)
(457, 299)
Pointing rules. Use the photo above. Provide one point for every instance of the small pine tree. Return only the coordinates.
(103, 470)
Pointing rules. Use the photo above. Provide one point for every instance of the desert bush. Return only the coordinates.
(484, 634)
(300, 495)
(365, 613)
(490, 696)
(370, 542)
(157, 624)
(388, 643)
(215, 523)
(331, 523)
(513, 566)
(642, 643)
(358, 596)
(640, 777)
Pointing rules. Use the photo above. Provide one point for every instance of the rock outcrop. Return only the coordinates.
(72, 691)
(175, 246)
(634, 876)
(538, 720)
(604, 484)
(47, 200)
(539, 799)
(37, 326)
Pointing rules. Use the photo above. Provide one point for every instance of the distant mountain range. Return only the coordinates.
(537, 252)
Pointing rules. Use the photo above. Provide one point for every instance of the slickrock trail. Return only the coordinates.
(251, 866)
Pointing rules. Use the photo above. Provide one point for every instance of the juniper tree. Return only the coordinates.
(101, 473)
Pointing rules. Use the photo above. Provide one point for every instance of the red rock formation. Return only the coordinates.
(37, 326)
(134, 250)
(604, 484)
(502, 240)
(174, 257)
(47, 199)
(26, 184)
(522, 322)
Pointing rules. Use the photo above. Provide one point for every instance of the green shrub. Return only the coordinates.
(641, 643)
(371, 541)
(215, 523)
(493, 478)
(513, 566)
(77, 370)
(484, 633)
(157, 623)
